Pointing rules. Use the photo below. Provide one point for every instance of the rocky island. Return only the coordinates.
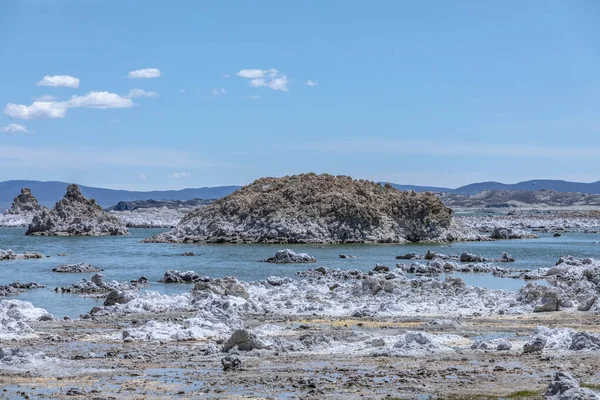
(75, 215)
(312, 208)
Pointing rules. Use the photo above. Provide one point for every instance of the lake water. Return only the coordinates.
(124, 258)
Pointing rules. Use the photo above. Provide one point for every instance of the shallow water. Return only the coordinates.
(125, 258)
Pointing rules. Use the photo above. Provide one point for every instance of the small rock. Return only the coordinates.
(231, 363)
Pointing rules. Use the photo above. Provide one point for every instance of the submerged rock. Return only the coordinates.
(11, 255)
(17, 287)
(312, 208)
(176, 276)
(98, 285)
(76, 268)
(75, 215)
(288, 256)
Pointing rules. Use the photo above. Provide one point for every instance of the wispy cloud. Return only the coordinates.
(358, 145)
(45, 97)
(59, 81)
(145, 73)
(88, 157)
(311, 83)
(133, 93)
(254, 97)
(142, 177)
(269, 78)
(217, 92)
(14, 128)
(179, 175)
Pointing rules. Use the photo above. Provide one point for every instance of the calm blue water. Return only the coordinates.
(125, 258)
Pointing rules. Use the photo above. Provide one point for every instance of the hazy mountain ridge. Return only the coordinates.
(48, 193)
(532, 185)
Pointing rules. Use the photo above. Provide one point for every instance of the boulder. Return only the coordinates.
(228, 286)
(535, 345)
(244, 341)
(288, 256)
(565, 387)
(231, 363)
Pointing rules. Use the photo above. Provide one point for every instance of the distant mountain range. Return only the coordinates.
(538, 184)
(49, 193)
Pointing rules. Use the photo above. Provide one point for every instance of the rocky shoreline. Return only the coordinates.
(326, 333)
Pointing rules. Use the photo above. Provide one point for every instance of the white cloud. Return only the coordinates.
(311, 83)
(133, 93)
(216, 92)
(58, 109)
(45, 97)
(14, 128)
(142, 177)
(59, 81)
(252, 73)
(178, 175)
(144, 73)
(37, 110)
(254, 97)
(269, 78)
(99, 100)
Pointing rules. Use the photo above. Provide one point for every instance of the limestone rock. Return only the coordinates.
(288, 256)
(228, 286)
(76, 268)
(176, 276)
(244, 341)
(312, 208)
(535, 345)
(11, 255)
(25, 203)
(565, 387)
(231, 363)
(75, 215)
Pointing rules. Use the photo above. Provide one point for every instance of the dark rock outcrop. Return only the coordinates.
(312, 208)
(75, 215)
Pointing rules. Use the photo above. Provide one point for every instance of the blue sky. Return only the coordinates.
(166, 95)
